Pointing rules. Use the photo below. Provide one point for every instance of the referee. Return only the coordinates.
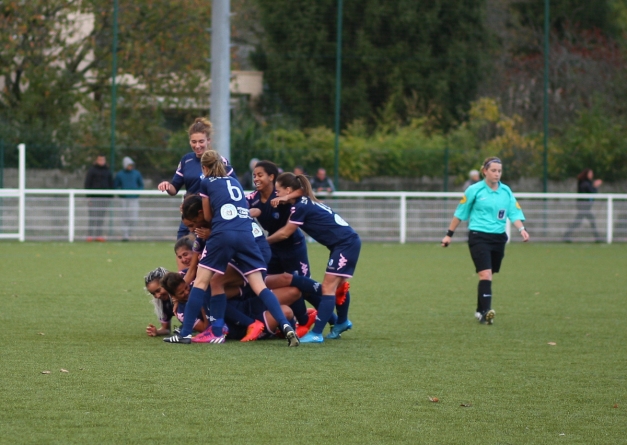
(487, 204)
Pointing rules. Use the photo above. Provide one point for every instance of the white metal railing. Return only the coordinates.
(63, 214)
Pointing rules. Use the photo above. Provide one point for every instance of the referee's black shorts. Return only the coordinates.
(487, 250)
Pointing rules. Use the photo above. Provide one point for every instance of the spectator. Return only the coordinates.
(129, 179)
(585, 184)
(247, 178)
(322, 183)
(98, 178)
(473, 178)
(298, 170)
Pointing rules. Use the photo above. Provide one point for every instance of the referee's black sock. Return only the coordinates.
(484, 296)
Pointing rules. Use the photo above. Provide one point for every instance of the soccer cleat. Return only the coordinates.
(336, 331)
(292, 339)
(254, 331)
(340, 293)
(488, 317)
(176, 338)
(207, 336)
(301, 331)
(177, 330)
(312, 337)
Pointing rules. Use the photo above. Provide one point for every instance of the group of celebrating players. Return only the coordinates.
(236, 283)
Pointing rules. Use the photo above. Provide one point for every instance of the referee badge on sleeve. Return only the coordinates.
(464, 199)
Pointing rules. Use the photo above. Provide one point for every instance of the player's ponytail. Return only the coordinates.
(297, 182)
(212, 160)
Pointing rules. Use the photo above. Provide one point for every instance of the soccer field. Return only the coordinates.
(552, 368)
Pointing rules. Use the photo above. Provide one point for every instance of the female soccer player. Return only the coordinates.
(189, 171)
(288, 256)
(161, 300)
(487, 204)
(231, 239)
(329, 229)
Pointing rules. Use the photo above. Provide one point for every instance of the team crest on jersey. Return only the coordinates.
(257, 232)
(275, 215)
(331, 262)
(228, 211)
(179, 167)
(464, 199)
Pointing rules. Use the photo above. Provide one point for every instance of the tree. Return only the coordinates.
(57, 75)
(391, 50)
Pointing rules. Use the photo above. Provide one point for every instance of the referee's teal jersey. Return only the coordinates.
(488, 209)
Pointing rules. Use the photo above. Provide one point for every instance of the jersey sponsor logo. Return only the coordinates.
(228, 211)
(257, 232)
(340, 221)
(464, 199)
(501, 214)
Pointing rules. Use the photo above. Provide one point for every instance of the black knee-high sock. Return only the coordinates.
(484, 292)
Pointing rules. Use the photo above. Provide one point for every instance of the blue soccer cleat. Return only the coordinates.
(336, 331)
(312, 337)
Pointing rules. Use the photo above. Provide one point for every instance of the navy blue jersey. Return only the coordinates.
(273, 218)
(321, 222)
(189, 173)
(228, 205)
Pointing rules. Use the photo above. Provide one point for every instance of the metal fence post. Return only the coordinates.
(22, 189)
(610, 219)
(403, 225)
(71, 212)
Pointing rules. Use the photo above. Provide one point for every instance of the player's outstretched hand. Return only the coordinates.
(446, 241)
(151, 330)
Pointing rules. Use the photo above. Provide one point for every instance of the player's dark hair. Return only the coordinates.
(201, 125)
(270, 168)
(192, 205)
(212, 160)
(171, 281)
(186, 241)
(156, 274)
(297, 182)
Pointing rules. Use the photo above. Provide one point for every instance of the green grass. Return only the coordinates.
(414, 338)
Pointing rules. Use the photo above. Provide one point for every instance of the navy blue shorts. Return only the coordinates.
(487, 250)
(343, 257)
(294, 260)
(238, 246)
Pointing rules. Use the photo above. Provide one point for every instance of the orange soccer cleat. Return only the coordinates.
(301, 331)
(340, 293)
(254, 331)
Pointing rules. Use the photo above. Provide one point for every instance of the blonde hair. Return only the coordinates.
(212, 160)
(201, 125)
